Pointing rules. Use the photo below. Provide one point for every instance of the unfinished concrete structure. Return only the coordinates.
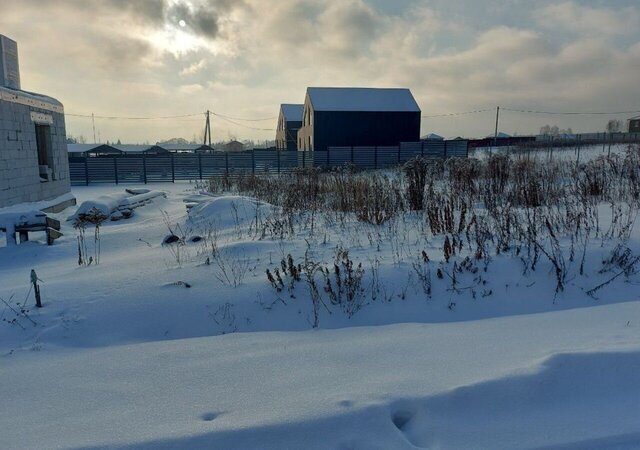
(34, 164)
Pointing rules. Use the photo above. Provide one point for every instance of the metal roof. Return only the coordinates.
(362, 99)
(184, 147)
(432, 137)
(292, 112)
(86, 148)
(137, 148)
(133, 148)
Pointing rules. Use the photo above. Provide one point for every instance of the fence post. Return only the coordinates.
(352, 161)
(115, 167)
(226, 163)
(422, 149)
(200, 165)
(445, 150)
(578, 158)
(144, 168)
(253, 162)
(278, 156)
(86, 170)
(399, 153)
(375, 157)
(303, 159)
(328, 157)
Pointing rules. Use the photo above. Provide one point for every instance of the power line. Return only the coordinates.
(241, 124)
(571, 113)
(245, 120)
(133, 118)
(457, 113)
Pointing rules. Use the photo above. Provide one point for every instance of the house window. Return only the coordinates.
(45, 154)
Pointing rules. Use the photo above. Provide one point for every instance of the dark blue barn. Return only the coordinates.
(336, 117)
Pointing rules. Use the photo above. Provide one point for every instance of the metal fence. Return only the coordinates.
(175, 167)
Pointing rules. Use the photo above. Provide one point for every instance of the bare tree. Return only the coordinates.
(614, 126)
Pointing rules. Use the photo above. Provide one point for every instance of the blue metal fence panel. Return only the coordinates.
(77, 172)
(289, 161)
(409, 150)
(340, 156)
(186, 167)
(240, 162)
(387, 157)
(101, 170)
(319, 158)
(365, 157)
(158, 168)
(456, 149)
(213, 165)
(266, 161)
(130, 168)
(433, 149)
(167, 168)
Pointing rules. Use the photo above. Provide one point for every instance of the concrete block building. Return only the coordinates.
(345, 117)
(289, 122)
(33, 151)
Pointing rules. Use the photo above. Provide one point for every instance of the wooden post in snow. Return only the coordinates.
(36, 288)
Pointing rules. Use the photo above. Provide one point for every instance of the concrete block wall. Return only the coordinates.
(19, 171)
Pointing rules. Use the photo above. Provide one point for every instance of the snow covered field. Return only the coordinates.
(123, 355)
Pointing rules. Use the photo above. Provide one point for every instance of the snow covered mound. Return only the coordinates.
(230, 211)
(107, 204)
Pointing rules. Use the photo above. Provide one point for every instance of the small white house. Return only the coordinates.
(34, 165)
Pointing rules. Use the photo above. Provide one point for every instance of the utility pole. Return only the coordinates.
(207, 128)
(495, 135)
(93, 120)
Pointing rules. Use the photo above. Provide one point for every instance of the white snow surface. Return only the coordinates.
(123, 357)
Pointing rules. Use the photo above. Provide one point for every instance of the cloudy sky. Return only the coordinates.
(242, 58)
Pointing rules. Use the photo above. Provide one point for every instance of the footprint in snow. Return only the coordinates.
(210, 416)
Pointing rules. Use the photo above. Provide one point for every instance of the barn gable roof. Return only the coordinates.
(292, 112)
(362, 99)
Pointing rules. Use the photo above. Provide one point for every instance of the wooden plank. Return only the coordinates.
(53, 223)
(31, 227)
(52, 235)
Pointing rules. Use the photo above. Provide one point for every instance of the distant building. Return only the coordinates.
(432, 137)
(634, 125)
(33, 150)
(233, 146)
(186, 148)
(358, 117)
(81, 150)
(129, 149)
(500, 135)
(139, 149)
(289, 122)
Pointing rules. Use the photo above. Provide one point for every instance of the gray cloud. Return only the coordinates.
(202, 18)
(148, 11)
(252, 55)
